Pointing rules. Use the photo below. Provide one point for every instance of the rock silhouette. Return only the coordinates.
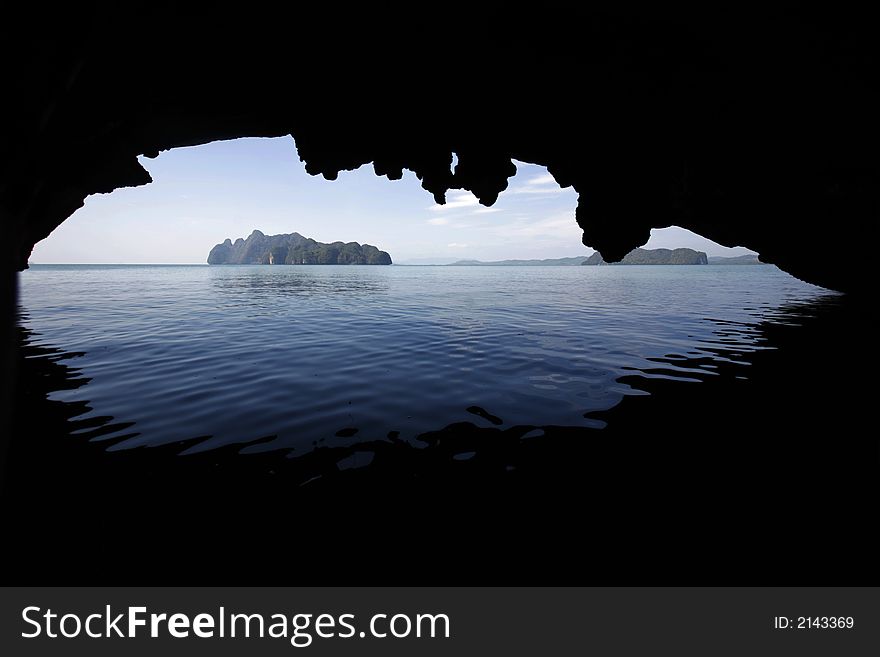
(655, 257)
(294, 249)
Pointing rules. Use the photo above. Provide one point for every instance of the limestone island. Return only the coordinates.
(294, 249)
(655, 257)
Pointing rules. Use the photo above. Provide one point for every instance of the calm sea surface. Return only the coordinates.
(336, 355)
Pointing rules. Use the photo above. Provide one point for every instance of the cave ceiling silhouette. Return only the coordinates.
(753, 128)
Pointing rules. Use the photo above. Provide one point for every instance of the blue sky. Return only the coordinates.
(204, 194)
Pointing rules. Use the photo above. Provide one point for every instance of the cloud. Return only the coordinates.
(560, 226)
(462, 201)
(551, 227)
(543, 179)
(456, 245)
(542, 184)
(455, 201)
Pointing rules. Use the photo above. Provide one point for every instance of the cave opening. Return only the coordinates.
(441, 416)
(186, 352)
(430, 386)
(229, 188)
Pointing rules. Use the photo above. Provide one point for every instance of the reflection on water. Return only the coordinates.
(259, 285)
(44, 370)
(349, 362)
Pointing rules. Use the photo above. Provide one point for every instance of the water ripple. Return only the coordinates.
(302, 356)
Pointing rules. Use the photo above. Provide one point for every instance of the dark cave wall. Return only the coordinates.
(750, 129)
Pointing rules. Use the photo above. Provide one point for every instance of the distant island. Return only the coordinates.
(294, 249)
(558, 262)
(748, 259)
(655, 257)
(635, 257)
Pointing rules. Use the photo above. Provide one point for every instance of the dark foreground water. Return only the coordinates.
(300, 356)
(339, 425)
